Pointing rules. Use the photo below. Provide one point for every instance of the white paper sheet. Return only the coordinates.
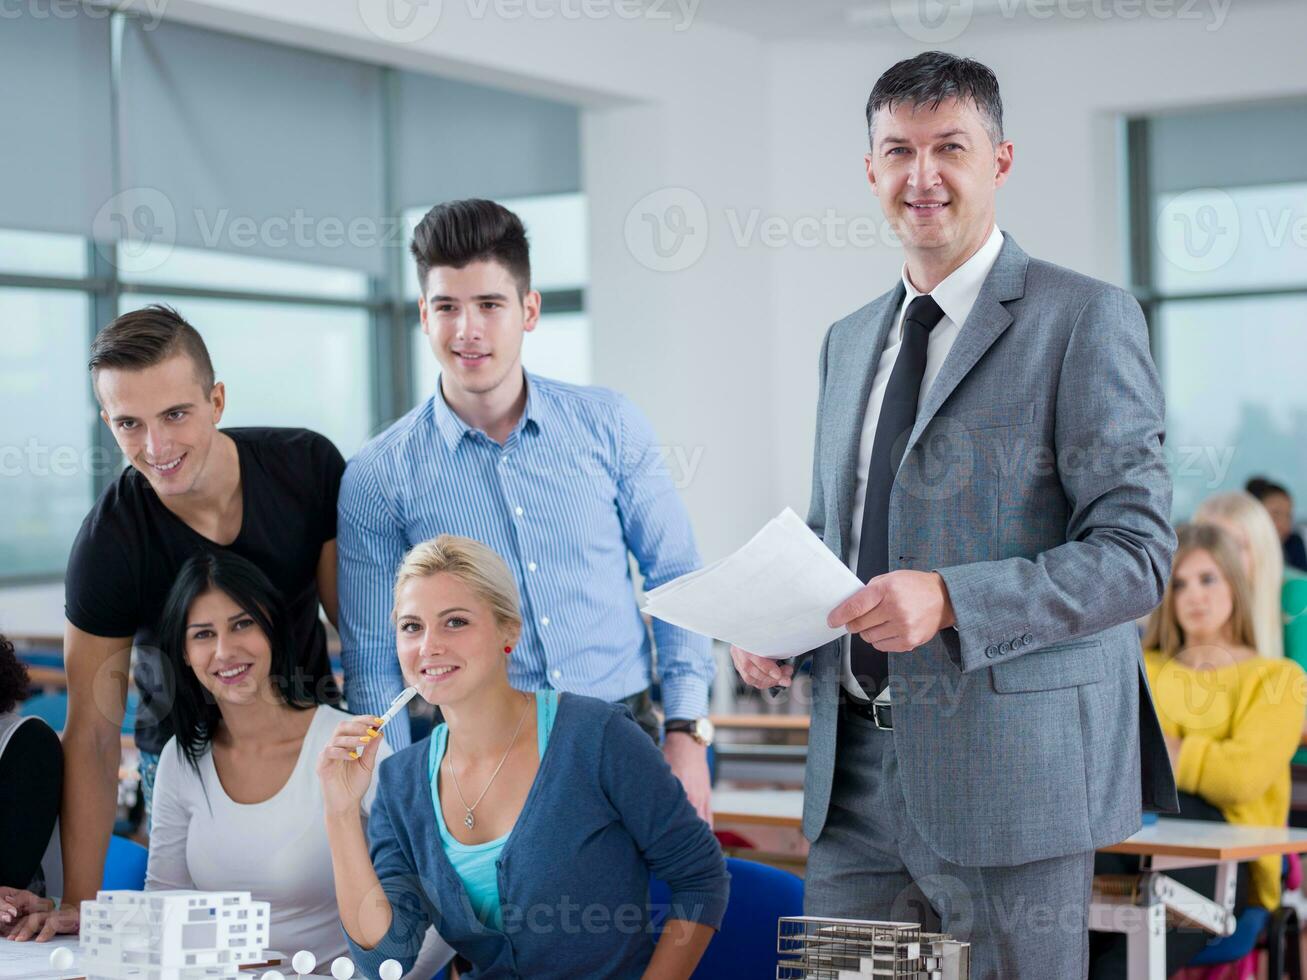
(771, 597)
(31, 961)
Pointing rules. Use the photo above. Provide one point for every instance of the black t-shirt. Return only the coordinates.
(130, 549)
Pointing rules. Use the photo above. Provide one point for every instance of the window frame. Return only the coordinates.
(1142, 246)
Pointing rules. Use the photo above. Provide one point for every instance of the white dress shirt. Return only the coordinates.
(956, 295)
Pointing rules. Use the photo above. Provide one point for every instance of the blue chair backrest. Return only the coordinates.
(746, 944)
(53, 709)
(1247, 928)
(50, 708)
(129, 714)
(124, 865)
(43, 657)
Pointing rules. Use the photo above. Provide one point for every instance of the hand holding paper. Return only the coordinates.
(771, 597)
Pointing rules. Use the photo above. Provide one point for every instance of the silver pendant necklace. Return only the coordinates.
(469, 821)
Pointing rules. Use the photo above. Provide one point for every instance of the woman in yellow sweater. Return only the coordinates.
(1232, 718)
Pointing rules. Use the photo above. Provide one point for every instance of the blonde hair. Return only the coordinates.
(473, 564)
(1267, 561)
(1164, 631)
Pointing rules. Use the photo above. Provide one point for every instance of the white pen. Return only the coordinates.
(396, 706)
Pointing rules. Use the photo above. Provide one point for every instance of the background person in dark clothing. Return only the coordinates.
(31, 778)
(1279, 504)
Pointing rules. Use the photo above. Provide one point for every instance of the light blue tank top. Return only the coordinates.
(475, 863)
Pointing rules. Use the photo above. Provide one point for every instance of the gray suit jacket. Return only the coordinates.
(1034, 483)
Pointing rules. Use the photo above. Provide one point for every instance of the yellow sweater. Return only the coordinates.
(1241, 725)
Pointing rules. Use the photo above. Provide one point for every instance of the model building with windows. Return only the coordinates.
(171, 935)
(859, 949)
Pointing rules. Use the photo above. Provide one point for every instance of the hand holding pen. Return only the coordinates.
(344, 783)
(396, 706)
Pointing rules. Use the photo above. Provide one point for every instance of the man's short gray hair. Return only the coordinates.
(932, 77)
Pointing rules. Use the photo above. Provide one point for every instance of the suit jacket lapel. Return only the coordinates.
(985, 324)
(849, 388)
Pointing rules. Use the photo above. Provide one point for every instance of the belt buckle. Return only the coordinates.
(881, 714)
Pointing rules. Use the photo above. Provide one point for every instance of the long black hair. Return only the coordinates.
(195, 714)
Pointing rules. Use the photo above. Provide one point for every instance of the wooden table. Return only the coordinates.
(766, 723)
(1165, 845)
(1188, 843)
(49, 678)
(766, 808)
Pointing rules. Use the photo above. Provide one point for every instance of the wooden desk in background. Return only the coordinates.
(765, 723)
(47, 678)
(764, 808)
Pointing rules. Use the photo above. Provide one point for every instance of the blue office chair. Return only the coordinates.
(124, 865)
(746, 944)
(129, 714)
(50, 708)
(42, 657)
(1277, 932)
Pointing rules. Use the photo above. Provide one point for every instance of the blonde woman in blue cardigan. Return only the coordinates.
(525, 829)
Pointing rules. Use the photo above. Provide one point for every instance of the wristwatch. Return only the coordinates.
(699, 729)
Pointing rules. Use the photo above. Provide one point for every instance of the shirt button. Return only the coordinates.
(555, 673)
(517, 511)
(530, 566)
(544, 620)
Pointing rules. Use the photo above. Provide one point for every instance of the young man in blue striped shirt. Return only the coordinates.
(564, 481)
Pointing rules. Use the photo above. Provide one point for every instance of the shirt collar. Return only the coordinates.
(452, 428)
(956, 295)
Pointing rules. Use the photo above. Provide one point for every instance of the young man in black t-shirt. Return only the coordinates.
(268, 495)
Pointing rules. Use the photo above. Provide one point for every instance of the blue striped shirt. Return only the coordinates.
(578, 484)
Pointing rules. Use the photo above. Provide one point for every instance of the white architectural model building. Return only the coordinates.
(171, 935)
(858, 949)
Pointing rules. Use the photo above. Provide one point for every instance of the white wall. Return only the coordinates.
(1065, 86)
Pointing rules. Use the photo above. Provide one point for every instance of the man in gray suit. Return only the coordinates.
(989, 460)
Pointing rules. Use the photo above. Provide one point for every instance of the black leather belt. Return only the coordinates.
(879, 713)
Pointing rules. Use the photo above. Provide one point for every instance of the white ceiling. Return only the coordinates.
(853, 20)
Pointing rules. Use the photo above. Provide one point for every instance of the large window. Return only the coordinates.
(270, 206)
(1220, 264)
(47, 460)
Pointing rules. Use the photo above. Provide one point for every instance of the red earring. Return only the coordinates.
(508, 649)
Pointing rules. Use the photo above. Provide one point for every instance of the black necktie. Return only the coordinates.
(898, 413)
